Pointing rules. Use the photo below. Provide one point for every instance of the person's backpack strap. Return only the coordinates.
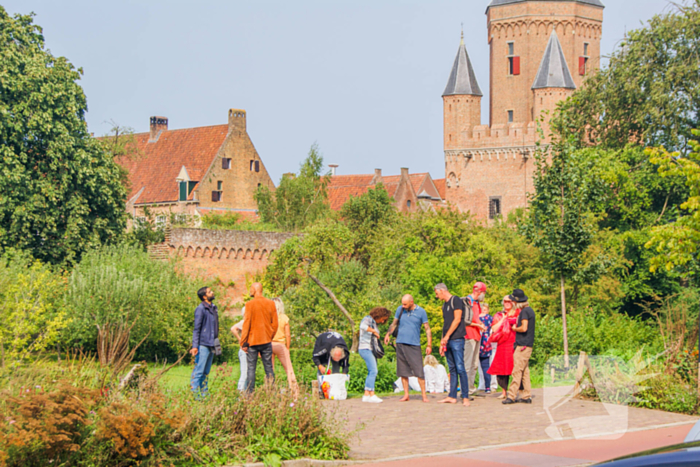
(395, 334)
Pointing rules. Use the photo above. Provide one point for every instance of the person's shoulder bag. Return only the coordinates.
(376, 346)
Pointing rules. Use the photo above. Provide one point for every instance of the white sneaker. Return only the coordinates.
(374, 399)
(365, 398)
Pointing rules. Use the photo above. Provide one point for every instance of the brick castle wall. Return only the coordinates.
(232, 256)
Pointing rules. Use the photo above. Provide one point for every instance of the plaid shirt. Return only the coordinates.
(485, 347)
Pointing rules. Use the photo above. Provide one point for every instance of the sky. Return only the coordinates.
(361, 79)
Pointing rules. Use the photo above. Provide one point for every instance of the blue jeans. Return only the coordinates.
(242, 381)
(202, 366)
(485, 364)
(372, 371)
(455, 362)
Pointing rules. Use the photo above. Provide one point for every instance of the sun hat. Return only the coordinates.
(518, 296)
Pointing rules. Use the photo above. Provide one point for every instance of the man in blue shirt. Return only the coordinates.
(204, 340)
(409, 318)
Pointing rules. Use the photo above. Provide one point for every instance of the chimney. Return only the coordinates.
(158, 124)
(333, 169)
(404, 171)
(377, 177)
(236, 120)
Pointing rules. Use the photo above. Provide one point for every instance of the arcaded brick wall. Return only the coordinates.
(232, 256)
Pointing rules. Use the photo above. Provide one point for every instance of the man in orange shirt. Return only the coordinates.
(259, 327)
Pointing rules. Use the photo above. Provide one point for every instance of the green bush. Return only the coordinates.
(123, 284)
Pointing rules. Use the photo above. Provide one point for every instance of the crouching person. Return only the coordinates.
(331, 355)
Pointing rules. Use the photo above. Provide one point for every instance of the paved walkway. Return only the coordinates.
(566, 453)
(396, 429)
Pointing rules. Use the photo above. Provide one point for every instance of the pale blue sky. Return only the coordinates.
(363, 79)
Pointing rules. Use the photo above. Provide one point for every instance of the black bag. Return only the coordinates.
(395, 334)
(468, 314)
(377, 347)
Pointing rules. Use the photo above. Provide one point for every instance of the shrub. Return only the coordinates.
(38, 426)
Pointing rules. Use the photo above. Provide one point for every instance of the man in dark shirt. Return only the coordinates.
(452, 343)
(524, 341)
(204, 340)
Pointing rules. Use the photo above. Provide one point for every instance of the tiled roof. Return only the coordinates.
(440, 185)
(342, 187)
(158, 164)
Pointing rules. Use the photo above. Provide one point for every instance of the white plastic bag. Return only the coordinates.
(338, 390)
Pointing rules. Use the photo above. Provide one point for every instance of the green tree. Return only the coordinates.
(650, 90)
(32, 312)
(366, 216)
(61, 190)
(299, 200)
(676, 243)
(560, 223)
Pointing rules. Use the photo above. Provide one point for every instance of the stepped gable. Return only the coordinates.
(462, 80)
(553, 71)
(153, 170)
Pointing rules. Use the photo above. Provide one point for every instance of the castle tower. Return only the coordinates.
(461, 101)
(540, 52)
(553, 82)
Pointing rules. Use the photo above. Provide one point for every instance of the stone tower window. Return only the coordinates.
(216, 196)
(510, 116)
(494, 207)
(226, 163)
(513, 60)
(408, 204)
(255, 166)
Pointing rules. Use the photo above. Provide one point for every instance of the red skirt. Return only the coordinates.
(503, 360)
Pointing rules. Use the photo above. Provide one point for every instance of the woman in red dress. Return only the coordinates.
(503, 335)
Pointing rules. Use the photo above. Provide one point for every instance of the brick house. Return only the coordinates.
(541, 51)
(409, 191)
(195, 170)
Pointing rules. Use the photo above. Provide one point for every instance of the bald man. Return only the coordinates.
(259, 327)
(409, 318)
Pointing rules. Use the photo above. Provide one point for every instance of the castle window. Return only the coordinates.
(219, 185)
(160, 221)
(583, 61)
(226, 163)
(510, 116)
(215, 196)
(513, 60)
(408, 204)
(494, 207)
(257, 166)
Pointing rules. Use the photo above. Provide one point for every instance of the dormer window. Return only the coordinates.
(185, 189)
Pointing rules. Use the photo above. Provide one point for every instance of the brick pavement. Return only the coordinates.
(394, 429)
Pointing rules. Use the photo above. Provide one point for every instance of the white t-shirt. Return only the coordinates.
(436, 379)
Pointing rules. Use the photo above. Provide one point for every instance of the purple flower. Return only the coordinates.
(292, 404)
(11, 422)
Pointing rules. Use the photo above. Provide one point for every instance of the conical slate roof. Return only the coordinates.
(462, 80)
(553, 72)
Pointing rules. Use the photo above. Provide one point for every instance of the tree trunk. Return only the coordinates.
(2, 354)
(329, 292)
(563, 322)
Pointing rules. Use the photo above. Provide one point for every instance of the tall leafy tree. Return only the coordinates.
(61, 191)
(560, 222)
(676, 243)
(650, 90)
(299, 200)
